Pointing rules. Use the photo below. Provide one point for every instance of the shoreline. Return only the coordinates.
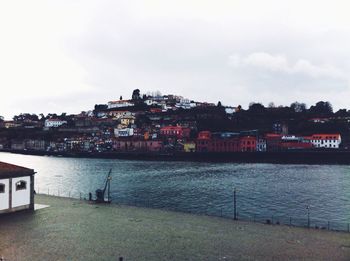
(72, 229)
(319, 157)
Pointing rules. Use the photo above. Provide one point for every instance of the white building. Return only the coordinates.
(119, 104)
(16, 188)
(230, 110)
(120, 114)
(326, 140)
(261, 145)
(54, 123)
(185, 104)
(126, 132)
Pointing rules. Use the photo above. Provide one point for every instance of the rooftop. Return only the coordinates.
(9, 170)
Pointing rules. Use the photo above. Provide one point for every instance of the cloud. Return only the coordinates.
(280, 63)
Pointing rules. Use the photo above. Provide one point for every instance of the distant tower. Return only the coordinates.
(136, 95)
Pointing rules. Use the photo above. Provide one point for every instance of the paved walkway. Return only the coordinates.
(76, 230)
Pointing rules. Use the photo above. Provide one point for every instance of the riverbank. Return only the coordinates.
(77, 230)
(319, 157)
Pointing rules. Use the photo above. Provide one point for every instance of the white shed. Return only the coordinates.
(16, 188)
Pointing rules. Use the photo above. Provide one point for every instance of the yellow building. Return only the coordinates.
(190, 147)
(127, 120)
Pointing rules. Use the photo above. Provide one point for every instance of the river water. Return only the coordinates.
(284, 193)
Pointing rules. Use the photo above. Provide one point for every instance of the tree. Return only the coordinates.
(121, 97)
(298, 107)
(341, 113)
(219, 104)
(322, 108)
(25, 117)
(272, 105)
(256, 108)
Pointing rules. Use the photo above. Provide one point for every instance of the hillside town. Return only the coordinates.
(156, 123)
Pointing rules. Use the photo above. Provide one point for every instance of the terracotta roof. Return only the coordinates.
(9, 170)
(326, 136)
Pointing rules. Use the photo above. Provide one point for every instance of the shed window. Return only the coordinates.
(2, 188)
(21, 185)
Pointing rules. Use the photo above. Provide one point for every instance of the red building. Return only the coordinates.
(296, 145)
(273, 141)
(207, 143)
(247, 144)
(175, 131)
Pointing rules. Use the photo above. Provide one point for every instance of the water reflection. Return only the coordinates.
(263, 189)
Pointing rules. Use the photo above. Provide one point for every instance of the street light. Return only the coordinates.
(308, 216)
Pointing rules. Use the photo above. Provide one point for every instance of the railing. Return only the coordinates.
(230, 213)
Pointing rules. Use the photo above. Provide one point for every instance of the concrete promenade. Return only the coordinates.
(71, 229)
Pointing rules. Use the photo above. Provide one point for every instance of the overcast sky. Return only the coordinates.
(67, 55)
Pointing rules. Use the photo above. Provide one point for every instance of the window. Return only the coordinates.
(2, 188)
(21, 185)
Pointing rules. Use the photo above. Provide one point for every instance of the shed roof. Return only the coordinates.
(9, 171)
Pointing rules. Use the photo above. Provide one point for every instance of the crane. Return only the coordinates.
(100, 193)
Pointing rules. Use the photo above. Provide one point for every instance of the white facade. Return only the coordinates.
(230, 110)
(54, 123)
(20, 196)
(126, 132)
(4, 194)
(16, 188)
(185, 104)
(119, 104)
(120, 114)
(261, 145)
(331, 141)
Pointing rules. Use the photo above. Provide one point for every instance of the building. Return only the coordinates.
(54, 123)
(119, 104)
(175, 131)
(127, 120)
(16, 188)
(230, 110)
(292, 142)
(261, 145)
(35, 144)
(120, 114)
(11, 124)
(273, 141)
(190, 147)
(185, 104)
(207, 142)
(331, 141)
(138, 145)
(247, 144)
(126, 132)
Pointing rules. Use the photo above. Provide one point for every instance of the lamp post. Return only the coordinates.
(308, 216)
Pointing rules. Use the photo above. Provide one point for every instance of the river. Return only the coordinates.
(281, 193)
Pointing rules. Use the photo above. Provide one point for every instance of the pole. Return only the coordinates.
(308, 216)
(109, 188)
(234, 205)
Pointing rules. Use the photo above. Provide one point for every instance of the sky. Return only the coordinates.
(68, 55)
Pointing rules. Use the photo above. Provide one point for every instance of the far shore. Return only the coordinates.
(71, 229)
(324, 156)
